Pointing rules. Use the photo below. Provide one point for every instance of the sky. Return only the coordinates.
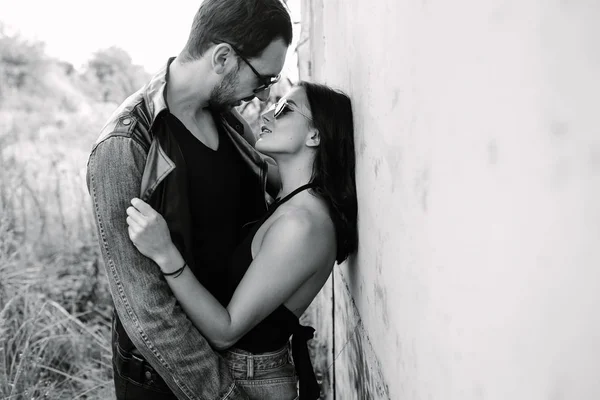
(74, 29)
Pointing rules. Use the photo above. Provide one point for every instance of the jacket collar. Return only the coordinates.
(156, 92)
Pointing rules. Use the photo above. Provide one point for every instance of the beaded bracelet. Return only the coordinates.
(176, 273)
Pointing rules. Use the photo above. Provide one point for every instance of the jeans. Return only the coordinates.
(264, 376)
(134, 377)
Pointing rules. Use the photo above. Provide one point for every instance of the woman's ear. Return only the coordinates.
(221, 56)
(314, 138)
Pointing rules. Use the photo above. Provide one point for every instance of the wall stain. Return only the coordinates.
(378, 263)
(393, 157)
(381, 298)
(421, 186)
(400, 359)
(380, 290)
(559, 128)
(492, 152)
(424, 197)
(479, 392)
(376, 166)
(557, 391)
(500, 14)
(457, 356)
(362, 146)
(395, 98)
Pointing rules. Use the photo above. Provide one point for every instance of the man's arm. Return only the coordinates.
(149, 312)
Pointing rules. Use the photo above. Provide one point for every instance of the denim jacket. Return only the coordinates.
(131, 158)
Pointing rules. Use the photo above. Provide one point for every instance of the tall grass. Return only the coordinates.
(54, 301)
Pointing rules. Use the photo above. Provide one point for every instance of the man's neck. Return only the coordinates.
(187, 91)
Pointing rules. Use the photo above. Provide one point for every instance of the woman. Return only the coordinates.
(285, 260)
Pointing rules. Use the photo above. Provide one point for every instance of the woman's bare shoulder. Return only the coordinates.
(306, 209)
(307, 220)
(305, 224)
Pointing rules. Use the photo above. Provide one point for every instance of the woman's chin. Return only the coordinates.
(261, 146)
(270, 146)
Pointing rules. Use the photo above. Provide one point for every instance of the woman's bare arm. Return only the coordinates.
(292, 250)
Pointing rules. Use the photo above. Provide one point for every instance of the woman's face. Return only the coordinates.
(286, 127)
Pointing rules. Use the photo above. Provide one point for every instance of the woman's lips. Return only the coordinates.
(264, 130)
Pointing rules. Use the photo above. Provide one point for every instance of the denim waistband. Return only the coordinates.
(242, 360)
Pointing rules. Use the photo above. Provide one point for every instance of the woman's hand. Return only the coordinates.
(149, 232)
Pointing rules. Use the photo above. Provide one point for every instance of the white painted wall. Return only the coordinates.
(478, 140)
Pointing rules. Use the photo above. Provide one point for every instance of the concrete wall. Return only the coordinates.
(478, 144)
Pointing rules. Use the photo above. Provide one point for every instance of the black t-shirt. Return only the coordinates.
(224, 196)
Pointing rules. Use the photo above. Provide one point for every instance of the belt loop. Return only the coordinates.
(250, 367)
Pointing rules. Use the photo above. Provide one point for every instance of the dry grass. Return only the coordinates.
(54, 302)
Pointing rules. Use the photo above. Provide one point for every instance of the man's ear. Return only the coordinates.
(222, 55)
(314, 138)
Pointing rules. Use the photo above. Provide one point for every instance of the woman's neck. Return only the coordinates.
(294, 172)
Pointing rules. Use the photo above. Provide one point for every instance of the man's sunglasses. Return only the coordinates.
(282, 105)
(267, 81)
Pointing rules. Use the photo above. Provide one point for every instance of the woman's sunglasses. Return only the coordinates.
(282, 105)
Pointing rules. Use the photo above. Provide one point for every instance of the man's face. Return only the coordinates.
(222, 96)
(240, 83)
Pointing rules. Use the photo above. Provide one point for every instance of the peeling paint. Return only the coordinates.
(318, 315)
(357, 368)
(363, 377)
(358, 373)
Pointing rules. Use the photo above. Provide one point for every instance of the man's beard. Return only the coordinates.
(222, 96)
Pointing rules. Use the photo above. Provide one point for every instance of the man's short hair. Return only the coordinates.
(249, 25)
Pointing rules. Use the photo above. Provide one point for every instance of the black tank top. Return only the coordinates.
(275, 330)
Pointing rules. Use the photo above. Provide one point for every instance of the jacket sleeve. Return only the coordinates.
(149, 312)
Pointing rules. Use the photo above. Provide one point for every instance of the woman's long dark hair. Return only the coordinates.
(334, 166)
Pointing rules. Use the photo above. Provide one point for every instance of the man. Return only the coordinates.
(179, 145)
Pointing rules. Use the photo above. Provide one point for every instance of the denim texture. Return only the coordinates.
(264, 376)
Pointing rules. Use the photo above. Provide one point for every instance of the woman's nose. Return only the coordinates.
(268, 116)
